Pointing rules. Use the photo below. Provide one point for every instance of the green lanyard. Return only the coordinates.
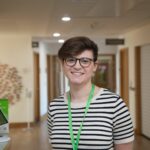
(75, 143)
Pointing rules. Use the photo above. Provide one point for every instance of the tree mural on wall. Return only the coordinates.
(10, 83)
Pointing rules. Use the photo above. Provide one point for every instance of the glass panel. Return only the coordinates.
(105, 74)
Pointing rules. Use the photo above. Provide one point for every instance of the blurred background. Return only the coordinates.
(32, 31)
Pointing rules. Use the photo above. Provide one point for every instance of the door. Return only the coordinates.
(142, 73)
(145, 89)
(124, 77)
(138, 88)
(53, 74)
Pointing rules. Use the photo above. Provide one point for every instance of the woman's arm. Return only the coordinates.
(125, 146)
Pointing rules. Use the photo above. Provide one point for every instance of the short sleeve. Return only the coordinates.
(49, 123)
(122, 123)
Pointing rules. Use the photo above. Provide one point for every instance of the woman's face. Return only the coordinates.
(77, 74)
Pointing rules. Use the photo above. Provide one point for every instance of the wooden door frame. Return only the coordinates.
(138, 89)
(50, 77)
(48, 58)
(114, 70)
(36, 87)
(124, 75)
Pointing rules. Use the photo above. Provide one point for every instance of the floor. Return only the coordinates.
(36, 138)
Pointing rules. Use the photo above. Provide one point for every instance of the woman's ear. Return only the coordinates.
(96, 64)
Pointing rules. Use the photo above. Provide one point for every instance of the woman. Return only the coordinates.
(87, 117)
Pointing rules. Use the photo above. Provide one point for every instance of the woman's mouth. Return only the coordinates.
(77, 73)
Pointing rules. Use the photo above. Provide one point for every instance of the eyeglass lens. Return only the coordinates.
(84, 62)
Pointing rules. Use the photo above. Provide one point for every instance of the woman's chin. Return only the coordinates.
(76, 82)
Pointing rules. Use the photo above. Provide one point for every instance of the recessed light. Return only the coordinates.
(61, 41)
(56, 34)
(66, 19)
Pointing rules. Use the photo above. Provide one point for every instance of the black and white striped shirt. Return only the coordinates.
(107, 122)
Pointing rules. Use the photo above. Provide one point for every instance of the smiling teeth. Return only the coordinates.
(77, 73)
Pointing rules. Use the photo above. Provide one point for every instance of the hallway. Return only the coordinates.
(36, 138)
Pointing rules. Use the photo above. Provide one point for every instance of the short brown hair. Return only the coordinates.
(75, 46)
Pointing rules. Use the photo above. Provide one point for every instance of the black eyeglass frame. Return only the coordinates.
(80, 62)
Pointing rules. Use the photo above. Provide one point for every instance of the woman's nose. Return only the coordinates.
(77, 65)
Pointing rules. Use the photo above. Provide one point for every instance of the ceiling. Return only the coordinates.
(95, 18)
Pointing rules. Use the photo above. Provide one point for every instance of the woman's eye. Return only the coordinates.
(70, 60)
(85, 61)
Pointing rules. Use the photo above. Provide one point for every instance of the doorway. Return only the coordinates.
(142, 63)
(105, 75)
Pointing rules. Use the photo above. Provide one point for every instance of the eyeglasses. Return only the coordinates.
(84, 61)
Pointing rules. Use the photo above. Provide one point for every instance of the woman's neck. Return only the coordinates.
(80, 93)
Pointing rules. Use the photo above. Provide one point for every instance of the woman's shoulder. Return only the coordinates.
(111, 96)
(109, 99)
(108, 93)
(57, 100)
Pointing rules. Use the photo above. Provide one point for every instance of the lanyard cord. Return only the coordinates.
(74, 142)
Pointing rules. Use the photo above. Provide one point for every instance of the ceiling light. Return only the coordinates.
(56, 34)
(61, 41)
(66, 19)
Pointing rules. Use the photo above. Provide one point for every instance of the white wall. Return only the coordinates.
(103, 48)
(52, 48)
(16, 51)
(138, 37)
(43, 80)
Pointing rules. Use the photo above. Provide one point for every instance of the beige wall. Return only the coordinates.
(16, 51)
